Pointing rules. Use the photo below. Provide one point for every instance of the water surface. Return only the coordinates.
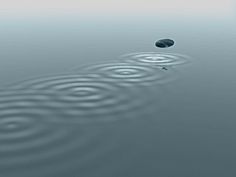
(94, 97)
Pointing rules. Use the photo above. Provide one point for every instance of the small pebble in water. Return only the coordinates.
(164, 43)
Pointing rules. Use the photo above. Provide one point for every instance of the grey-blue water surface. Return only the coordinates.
(94, 98)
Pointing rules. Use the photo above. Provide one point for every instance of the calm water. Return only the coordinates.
(96, 98)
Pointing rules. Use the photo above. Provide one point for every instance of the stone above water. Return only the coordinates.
(164, 43)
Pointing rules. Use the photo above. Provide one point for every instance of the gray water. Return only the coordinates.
(95, 97)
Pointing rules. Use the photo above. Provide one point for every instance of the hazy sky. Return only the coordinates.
(210, 7)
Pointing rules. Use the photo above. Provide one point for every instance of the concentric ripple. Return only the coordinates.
(156, 59)
(128, 74)
(24, 103)
(23, 139)
(43, 148)
(87, 97)
(26, 138)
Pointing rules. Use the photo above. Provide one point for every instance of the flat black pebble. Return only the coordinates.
(164, 43)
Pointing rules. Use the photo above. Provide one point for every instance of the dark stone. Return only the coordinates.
(164, 43)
